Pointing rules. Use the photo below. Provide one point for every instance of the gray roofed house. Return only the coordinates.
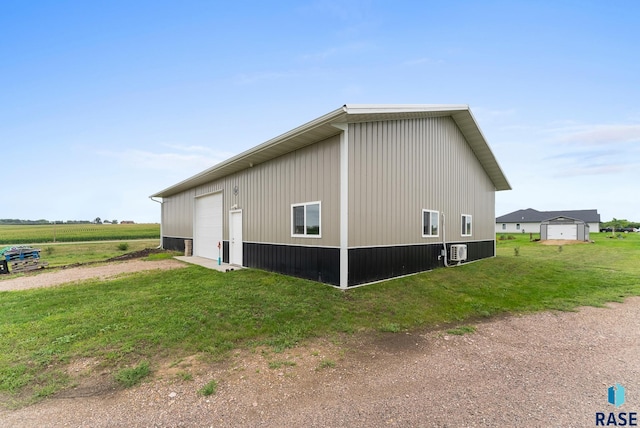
(529, 220)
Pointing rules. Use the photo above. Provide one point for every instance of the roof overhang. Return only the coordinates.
(563, 218)
(325, 127)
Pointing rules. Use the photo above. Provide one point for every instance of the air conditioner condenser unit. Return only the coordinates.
(458, 253)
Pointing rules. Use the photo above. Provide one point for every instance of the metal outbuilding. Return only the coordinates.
(361, 194)
(564, 228)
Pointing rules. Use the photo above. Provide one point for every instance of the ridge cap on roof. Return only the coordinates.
(402, 108)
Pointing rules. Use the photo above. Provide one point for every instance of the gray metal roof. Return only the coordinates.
(323, 128)
(564, 219)
(530, 215)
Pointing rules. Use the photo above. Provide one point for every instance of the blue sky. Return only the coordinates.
(103, 103)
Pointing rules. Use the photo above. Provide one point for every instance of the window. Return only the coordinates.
(430, 222)
(466, 225)
(504, 226)
(305, 220)
(517, 226)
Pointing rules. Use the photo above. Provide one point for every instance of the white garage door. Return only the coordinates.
(208, 226)
(562, 231)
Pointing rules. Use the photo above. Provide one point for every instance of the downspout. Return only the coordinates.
(444, 242)
(160, 202)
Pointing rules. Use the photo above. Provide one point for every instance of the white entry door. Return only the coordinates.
(235, 238)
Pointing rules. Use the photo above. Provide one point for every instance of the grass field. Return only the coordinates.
(62, 254)
(29, 234)
(139, 319)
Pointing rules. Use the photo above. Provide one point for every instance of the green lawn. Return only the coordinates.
(91, 252)
(148, 316)
(65, 254)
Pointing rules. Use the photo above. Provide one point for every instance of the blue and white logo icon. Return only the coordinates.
(616, 395)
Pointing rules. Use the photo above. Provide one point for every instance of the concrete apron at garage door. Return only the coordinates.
(208, 263)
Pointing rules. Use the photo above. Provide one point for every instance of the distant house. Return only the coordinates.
(355, 196)
(529, 220)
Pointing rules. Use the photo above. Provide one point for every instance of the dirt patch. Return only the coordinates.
(172, 368)
(137, 254)
(562, 242)
(90, 379)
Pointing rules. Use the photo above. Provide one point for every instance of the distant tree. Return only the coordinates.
(114, 221)
(616, 224)
(98, 220)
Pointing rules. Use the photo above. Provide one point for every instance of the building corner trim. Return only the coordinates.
(344, 204)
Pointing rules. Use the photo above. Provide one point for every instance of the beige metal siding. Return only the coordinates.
(265, 194)
(177, 215)
(398, 168)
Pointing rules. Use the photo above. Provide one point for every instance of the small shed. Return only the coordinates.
(564, 228)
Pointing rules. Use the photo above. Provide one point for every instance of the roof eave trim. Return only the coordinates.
(331, 117)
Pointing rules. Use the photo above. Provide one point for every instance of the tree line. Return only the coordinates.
(16, 221)
(619, 224)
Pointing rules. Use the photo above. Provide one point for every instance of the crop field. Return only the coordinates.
(30, 234)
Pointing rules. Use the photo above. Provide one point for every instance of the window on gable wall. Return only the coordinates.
(466, 225)
(305, 220)
(430, 223)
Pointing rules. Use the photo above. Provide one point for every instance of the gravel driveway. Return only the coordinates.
(57, 276)
(540, 370)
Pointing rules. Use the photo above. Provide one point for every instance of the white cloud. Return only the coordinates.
(208, 151)
(586, 150)
(192, 159)
(502, 117)
(593, 170)
(599, 134)
(345, 50)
